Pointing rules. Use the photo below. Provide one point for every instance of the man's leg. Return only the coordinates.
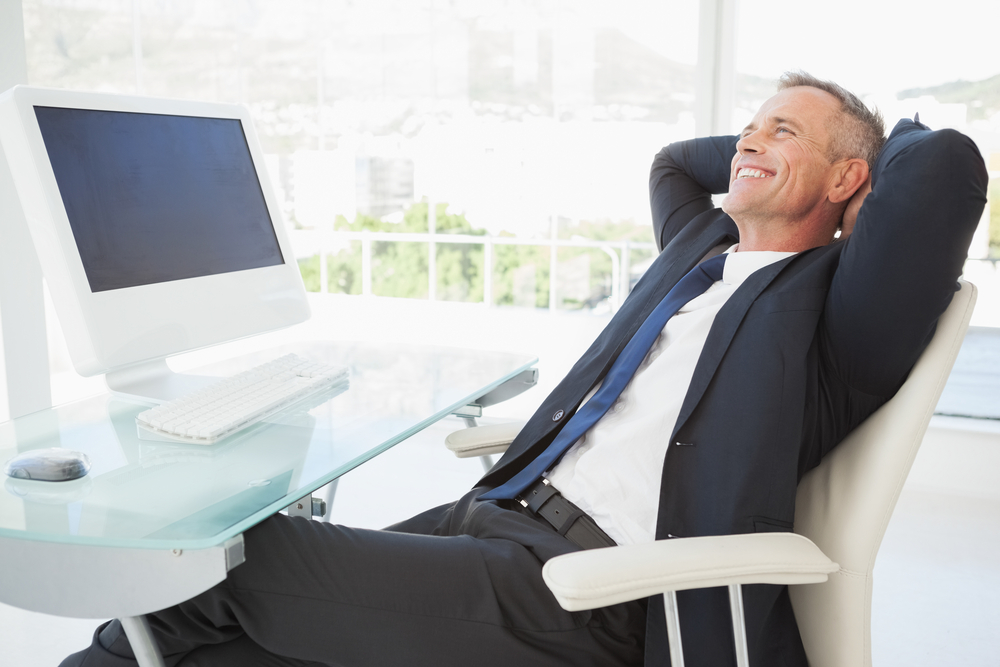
(471, 594)
(112, 643)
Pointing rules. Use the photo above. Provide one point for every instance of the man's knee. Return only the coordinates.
(109, 648)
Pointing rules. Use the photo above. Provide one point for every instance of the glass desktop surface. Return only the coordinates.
(148, 494)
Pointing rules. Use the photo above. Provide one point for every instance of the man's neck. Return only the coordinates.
(792, 237)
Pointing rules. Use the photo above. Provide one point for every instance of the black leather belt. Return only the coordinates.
(545, 501)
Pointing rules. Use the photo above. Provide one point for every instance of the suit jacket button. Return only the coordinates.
(558, 415)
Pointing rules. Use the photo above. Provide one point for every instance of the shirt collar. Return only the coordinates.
(739, 265)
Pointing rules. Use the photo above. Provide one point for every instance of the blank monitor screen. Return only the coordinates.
(153, 198)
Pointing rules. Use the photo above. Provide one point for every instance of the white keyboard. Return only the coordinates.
(235, 403)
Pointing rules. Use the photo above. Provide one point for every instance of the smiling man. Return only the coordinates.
(794, 168)
(820, 329)
(754, 343)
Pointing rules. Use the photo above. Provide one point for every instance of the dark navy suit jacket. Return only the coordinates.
(801, 353)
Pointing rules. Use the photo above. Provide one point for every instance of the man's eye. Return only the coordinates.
(783, 129)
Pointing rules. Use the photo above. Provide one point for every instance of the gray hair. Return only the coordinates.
(859, 133)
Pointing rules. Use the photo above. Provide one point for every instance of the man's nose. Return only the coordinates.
(748, 144)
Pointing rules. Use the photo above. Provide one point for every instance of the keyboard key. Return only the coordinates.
(235, 403)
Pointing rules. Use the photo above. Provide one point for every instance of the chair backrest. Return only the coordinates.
(844, 504)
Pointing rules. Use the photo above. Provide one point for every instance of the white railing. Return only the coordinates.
(307, 243)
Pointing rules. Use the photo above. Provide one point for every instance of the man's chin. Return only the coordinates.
(738, 204)
(730, 204)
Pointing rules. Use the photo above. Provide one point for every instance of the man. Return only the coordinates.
(697, 427)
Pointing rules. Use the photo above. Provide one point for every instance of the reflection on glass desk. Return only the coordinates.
(144, 494)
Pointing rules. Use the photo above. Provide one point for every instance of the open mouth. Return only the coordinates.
(752, 173)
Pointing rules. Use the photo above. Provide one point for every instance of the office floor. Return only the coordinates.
(937, 578)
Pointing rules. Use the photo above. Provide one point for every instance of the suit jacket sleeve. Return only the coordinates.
(683, 178)
(898, 270)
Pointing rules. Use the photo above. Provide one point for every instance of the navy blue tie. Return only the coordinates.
(697, 280)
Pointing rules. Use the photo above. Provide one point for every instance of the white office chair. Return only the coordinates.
(842, 509)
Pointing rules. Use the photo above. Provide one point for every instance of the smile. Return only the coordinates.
(751, 173)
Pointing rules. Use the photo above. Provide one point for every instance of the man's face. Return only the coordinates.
(781, 173)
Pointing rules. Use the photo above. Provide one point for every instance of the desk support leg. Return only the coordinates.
(331, 493)
(147, 654)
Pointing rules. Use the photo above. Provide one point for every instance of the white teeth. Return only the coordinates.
(750, 173)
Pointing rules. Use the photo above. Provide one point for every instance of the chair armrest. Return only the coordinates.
(483, 440)
(602, 577)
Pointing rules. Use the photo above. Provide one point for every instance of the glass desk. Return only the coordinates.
(156, 523)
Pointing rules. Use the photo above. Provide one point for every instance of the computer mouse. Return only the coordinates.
(54, 464)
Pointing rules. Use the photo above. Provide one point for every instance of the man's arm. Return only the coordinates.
(898, 269)
(683, 178)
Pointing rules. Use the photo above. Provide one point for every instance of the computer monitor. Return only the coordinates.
(155, 225)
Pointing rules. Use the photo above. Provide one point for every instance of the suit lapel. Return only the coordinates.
(681, 261)
(685, 258)
(679, 257)
(721, 335)
(687, 252)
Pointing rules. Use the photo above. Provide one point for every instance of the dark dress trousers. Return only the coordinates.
(804, 351)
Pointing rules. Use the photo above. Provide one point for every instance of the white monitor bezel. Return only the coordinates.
(116, 329)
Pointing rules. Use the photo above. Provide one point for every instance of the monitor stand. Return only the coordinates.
(154, 381)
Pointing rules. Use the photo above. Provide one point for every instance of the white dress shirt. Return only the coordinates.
(613, 471)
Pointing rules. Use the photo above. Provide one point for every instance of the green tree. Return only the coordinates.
(400, 269)
(520, 272)
(599, 261)
(309, 268)
(512, 277)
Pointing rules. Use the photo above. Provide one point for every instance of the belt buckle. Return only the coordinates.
(522, 501)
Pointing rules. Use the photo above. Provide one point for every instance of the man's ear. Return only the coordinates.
(853, 206)
(849, 177)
